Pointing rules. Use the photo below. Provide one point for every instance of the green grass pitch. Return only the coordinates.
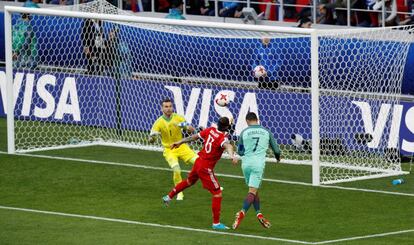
(89, 202)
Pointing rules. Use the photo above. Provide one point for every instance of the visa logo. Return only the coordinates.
(67, 100)
(376, 128)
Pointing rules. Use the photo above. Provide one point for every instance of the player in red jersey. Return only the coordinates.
(215, 142)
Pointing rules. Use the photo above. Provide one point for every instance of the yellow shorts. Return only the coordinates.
(184, 153)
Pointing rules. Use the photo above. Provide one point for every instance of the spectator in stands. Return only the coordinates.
(409, 19)
(146, 5)
(176, 10)
(62, 2)
(305, 23)
(31, 4)
(93, 45)
(289, 11)
(391, 18)
(162, 6)
(268, 8)
(266, 56)
(117, 56)
(341, 15)
(325, 16)
(208, 8)
(193, 7)
(360, 18)
(307, 11)
(24, 42)
(230, 9)
(373, 17)
(200, 7)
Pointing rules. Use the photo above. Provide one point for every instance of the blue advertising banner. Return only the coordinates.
(216, 58)
(98, 102)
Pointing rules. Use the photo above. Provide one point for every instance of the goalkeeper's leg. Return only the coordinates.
(191, 180)
(172, 159)
(187, 155)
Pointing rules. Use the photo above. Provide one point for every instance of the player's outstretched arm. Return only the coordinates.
(229, 149)
(155, 131)
(185, 140)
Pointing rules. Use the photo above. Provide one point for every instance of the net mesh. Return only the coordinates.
(360, 78)
(83, 81)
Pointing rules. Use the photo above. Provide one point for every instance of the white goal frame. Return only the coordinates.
(315, 90)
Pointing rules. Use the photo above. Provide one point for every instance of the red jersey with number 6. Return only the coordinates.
(213, 145)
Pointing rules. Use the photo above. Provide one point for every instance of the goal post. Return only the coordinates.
(316, 168)
(9, 84)
(319, 99)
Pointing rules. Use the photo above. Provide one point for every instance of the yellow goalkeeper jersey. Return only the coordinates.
(168, 128)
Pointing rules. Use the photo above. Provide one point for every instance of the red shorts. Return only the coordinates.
(205, 174)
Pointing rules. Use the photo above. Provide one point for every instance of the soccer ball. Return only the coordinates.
(259, 71)
(222, 99)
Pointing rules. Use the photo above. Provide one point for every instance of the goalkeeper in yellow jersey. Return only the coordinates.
(169, 126)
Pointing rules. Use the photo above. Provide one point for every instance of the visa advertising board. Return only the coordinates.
(92, 101)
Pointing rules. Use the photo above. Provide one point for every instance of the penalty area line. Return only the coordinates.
(151, 224)
(217, 174)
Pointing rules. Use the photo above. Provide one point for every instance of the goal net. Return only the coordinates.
(92, 74)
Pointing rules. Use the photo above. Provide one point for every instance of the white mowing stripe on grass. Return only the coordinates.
(218, 174)
(153, 225)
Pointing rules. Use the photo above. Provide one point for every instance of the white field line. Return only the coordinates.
(217, 174)
(153, 224)
(202, 230)
(365, 237)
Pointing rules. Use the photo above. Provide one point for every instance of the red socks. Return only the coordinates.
(178, 188)
(215, 201)
(216, 208)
